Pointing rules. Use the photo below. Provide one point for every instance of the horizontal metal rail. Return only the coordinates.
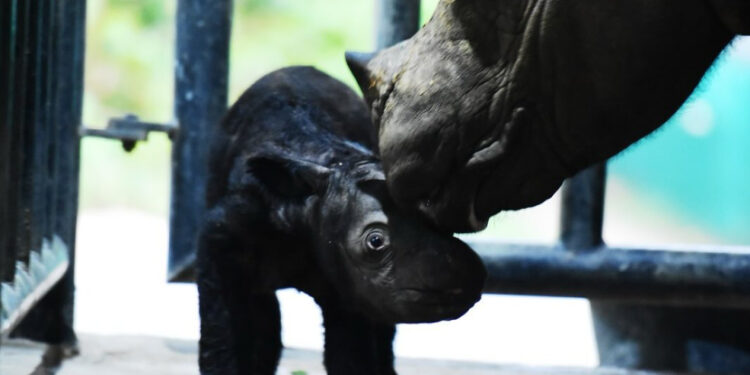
(679, 276)
(129, 130)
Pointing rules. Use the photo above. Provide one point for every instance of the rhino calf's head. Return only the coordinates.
(396, 265)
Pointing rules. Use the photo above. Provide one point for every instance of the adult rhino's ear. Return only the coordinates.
(357, 62)
(367, 81)
(288, 178)
(375, 74)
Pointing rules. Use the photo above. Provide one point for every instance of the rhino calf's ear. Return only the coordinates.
(288, 178)
(368, 173)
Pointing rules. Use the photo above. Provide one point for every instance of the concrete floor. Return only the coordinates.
(143, 355)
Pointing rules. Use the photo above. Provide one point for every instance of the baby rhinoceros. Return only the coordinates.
(297, 198)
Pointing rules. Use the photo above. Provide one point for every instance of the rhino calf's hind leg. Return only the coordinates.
(240, 331)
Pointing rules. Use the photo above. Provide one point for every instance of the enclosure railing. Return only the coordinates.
(41, 82)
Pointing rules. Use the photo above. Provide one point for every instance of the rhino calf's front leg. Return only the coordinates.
(240, 331)
(354, 343)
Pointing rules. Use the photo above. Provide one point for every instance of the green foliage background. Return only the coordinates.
(129, 62)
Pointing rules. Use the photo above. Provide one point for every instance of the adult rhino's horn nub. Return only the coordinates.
(357, 62)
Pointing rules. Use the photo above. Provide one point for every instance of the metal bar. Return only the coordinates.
(201, 72)
(52, 177)
(125, 135)
(582, 209)
(51, 320)
(37, 135)
(397, 20)
(129, 130)
(28, 121)
(17, 121)
(687, 277)
(7, 61)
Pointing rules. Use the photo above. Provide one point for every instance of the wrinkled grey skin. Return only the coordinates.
(494, 102)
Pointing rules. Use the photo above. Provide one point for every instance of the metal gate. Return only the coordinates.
(41, 76)
(656, 309)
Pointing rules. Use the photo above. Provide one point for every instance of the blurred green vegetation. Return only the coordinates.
(129, 62)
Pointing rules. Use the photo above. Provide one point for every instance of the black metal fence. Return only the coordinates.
(41, 82)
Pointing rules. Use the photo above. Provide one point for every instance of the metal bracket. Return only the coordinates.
(129, 129)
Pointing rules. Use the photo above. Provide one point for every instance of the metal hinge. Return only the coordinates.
(129, 130)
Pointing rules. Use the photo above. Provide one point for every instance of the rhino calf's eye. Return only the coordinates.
(376, 240)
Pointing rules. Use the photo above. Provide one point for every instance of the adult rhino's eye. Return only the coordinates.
(376, 240)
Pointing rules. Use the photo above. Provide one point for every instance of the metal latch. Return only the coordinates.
(129, 130)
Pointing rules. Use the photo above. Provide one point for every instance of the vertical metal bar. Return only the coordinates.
(51, 111)
(51, 320)
(397, 20)
(7, 61)
(201, 73)
(583, 209)
(33, 199)
(27, 122)
(17, 123)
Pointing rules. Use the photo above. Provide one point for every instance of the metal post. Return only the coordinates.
(7, 61)
(397, 20)
(201, 71)
(36, 134)
(16, 121)
(583, 209)
(51, 320)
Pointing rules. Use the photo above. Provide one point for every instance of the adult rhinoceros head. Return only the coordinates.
(494, 102)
